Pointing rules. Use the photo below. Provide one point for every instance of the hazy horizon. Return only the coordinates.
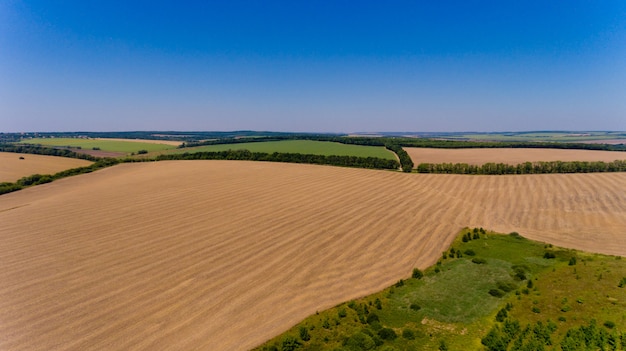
(313, 67)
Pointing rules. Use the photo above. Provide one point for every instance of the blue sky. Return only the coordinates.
(312, 66)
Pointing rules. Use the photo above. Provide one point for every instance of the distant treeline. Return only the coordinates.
(42, 150)
(345, 161)
(413, 142)
(524, 168)
(35, 179)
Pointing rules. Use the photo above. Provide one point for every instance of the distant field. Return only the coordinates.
(508, 155)
(300, 146)
(223, 255)
(12, 168)
(598, 137)
(106, 145)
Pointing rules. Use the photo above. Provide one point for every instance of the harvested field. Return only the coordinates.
(222, 255)
(508, 156)
(13, 168)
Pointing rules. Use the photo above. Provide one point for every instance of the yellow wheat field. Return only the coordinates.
(508, 156)
(223, 255)
(13, 168)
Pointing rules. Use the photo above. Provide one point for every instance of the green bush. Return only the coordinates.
(506, 286)
(549, 255)
(479, 260)
(609, 324)
(387, 334)
(572, 261)
(470, 252)
(408, 334)
(417, 273)
(342, 313)
(372, 317)
(304, 334)
(622, 283)
(415, 307)
(496, 292)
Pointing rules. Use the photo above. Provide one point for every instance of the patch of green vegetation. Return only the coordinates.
(121, 146)
(313, 147)
(524, 295)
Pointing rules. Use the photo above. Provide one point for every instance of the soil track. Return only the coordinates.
(511, 156)
(13, 168)
(222, 255)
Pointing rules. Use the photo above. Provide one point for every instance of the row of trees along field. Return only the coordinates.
(524, 168)
(35, 179)
(42, 150)
(345, 161)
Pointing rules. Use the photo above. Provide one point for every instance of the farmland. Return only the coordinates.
(298, 146)
(199, 254)
(511, 156)
(120, 147)
(12, 167)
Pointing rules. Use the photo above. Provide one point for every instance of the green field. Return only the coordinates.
(325, 148)
(125, 147)
(489, 289)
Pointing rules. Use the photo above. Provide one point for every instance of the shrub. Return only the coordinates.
(415, 307)
(142, 152)
(408, 334)
(549, 255)
(479, 260)
(304, 334)
(342, 313)
(535, 309)
(400, 283)
(501, 316)
(360, 341)
(572, 261)
(289, 343)
(387, 334)
(372, 317)
(496, 292)
(609, 324)
(622, 283)
(417, 273)
(470, 252)
(378, 304)
(506, 286)
(443, 346)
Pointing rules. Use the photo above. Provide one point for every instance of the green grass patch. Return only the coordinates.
(126, 147)
(312, 147)
(515, 299)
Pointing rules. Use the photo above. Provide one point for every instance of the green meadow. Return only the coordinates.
(488, 291)
(120, 146)
(325, 148)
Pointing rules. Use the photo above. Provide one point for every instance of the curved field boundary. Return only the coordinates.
(223, 255)
(14, 166)
(314, 147)
(510, 156)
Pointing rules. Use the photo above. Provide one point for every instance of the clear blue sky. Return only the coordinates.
(312, 66)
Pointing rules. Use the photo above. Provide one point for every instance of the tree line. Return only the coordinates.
(49, 151)
(524, 168)
(36, 179)
(344, 161)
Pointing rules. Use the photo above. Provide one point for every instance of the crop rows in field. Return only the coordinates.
(223, 255)
(512, 156)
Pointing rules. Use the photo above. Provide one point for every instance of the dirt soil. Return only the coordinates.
(223, 255)
(508, 156)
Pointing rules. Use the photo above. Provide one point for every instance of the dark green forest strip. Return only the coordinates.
(524, 168)
(344, 161)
